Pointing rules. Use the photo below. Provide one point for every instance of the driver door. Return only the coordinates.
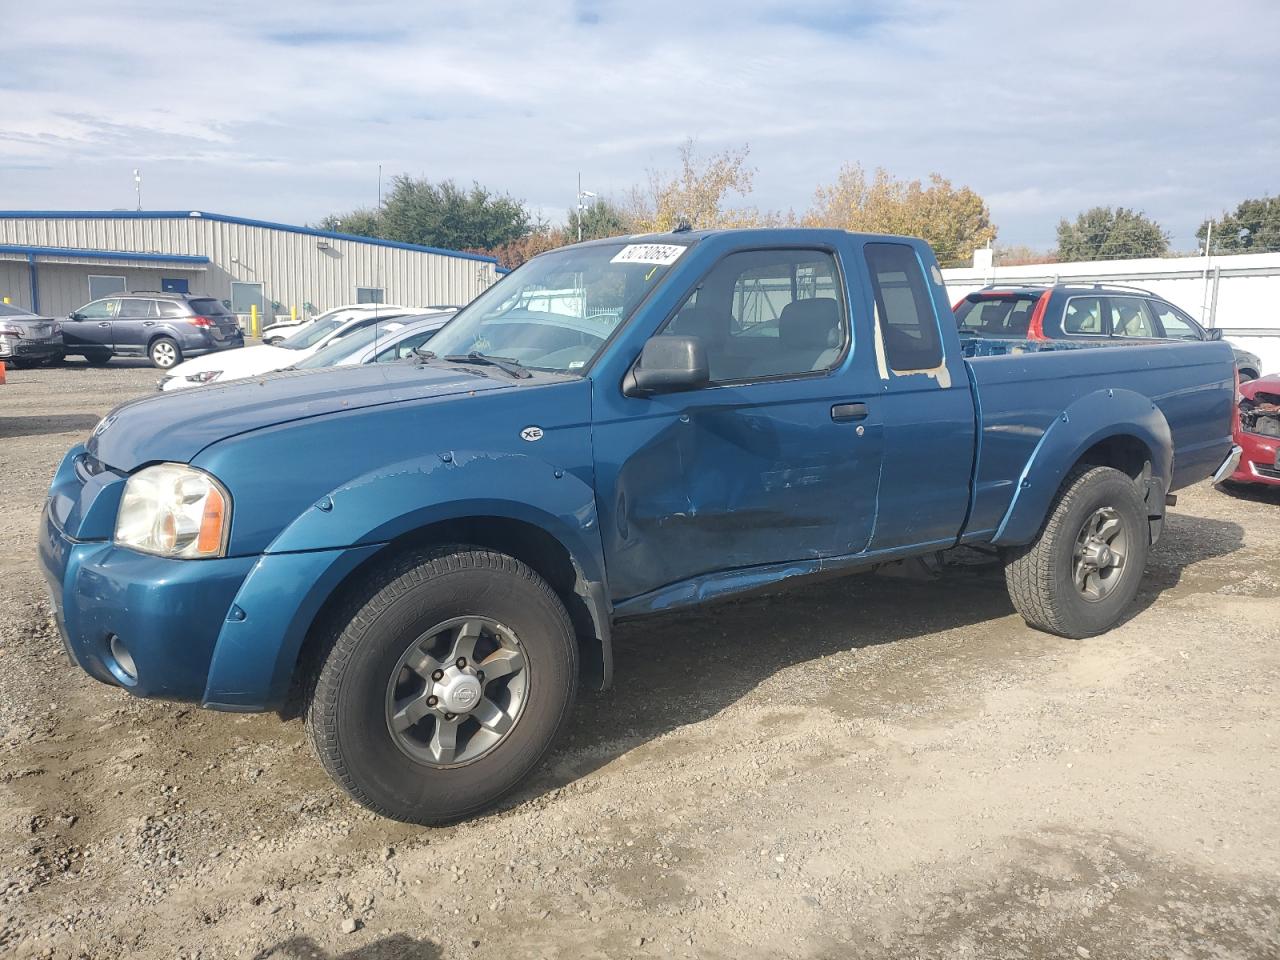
(91, 327)
(776, 460)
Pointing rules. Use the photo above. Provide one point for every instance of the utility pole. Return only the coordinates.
(583, 196)
(379, 186)
(1204, 295)
(137, 186)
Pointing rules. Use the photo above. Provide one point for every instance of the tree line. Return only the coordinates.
(713, 191)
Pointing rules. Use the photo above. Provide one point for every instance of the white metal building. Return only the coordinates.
(1239, 294)
(55, 261)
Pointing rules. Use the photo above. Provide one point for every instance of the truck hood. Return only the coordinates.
(175, 427)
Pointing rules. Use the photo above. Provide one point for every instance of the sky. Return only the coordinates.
(284, 110)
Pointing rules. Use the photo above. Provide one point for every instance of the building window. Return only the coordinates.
(174, 285)
(246, 295)
(102, 286)
(369, 295)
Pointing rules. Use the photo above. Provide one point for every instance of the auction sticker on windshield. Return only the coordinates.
(662, 254)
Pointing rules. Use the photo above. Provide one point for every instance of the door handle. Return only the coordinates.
(844, 412)
(148, 323)
(104, 324)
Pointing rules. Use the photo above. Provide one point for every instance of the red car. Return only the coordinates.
(1257, 432)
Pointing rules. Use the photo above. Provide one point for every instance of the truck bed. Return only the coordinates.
(1026, 391)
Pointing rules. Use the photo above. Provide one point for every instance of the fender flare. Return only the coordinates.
(315, 553)
(1089, 420)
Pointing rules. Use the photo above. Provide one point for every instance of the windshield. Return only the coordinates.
(354, 342)
(556, 312)
(312, 334)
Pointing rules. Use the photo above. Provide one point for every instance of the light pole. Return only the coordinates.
(583, 196)
(137, 185)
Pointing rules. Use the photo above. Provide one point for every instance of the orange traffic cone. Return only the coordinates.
(1, 371)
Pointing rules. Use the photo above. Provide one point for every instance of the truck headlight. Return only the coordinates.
(173, 510)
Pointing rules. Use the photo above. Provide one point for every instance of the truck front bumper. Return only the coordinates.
(223, 633)
(144, 623)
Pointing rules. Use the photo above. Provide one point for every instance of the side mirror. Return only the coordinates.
(1214, 334)
(73, 315)
(668, 364)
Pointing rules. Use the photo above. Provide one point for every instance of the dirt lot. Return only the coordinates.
(867, 767)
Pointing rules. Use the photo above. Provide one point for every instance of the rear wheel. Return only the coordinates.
(1078, 576)
(165, 352)
(442, 683)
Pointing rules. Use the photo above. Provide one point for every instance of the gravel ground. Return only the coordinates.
(865, 767)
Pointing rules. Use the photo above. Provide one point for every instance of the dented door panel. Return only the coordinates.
(731, 477)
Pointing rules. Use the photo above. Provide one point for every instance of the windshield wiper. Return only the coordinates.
(505, 364)
(422, 353)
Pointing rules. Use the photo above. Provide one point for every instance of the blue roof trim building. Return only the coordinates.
(29, 251)
(244, 221)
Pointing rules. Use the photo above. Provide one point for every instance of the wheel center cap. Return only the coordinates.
(459, 693)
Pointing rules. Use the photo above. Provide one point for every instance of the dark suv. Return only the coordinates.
(1085, 312)
(167, 327)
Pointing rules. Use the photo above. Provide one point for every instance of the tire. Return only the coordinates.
(1246, 374)
(165, 353)
(55, 360)
(361, 675)
(1042, 575)
(97, 358)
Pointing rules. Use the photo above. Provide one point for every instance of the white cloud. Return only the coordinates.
(285, 110)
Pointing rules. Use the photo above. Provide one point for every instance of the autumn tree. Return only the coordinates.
(1012, 255)
(1103, 233)
(695, 194)
(1254, 227)
(954, 221)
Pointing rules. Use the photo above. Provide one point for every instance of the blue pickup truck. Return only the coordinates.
(429, 555)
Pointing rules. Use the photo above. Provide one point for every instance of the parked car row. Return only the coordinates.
(275, 332)
(359, 339)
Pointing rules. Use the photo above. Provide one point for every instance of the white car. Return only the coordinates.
(277, 331)
(255, 361)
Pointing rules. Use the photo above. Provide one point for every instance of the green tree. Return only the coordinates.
(955, 221)
(362, 223)
(602, 218)
(1254, 227)
(1103, 233)
(440, 214)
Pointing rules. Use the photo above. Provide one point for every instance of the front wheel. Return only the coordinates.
(442, 683)
(165, 352)
(1078, 576)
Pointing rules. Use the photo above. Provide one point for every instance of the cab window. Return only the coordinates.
(767, 313)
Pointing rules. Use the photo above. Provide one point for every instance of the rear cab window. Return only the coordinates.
(905, 315)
